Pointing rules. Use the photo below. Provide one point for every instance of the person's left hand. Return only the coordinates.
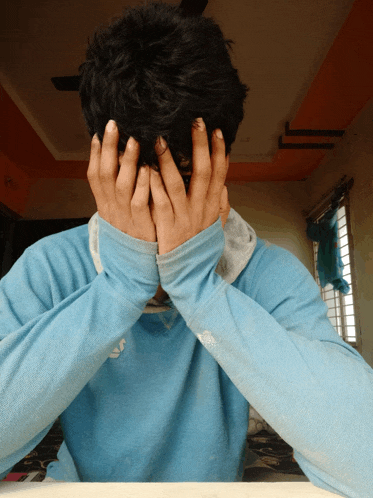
(178, 216)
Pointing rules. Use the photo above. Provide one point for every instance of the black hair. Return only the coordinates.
(155, 70)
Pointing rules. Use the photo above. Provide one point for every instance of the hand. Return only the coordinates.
(121, 200)
(179, 216)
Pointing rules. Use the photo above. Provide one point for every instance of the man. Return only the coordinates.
(152, 391)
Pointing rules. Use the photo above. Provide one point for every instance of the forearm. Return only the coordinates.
(45, 364)
(57, 332)
(289, 362)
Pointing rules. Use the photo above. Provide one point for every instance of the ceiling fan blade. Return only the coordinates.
(66, 83)
(71, 83)
(193, 7)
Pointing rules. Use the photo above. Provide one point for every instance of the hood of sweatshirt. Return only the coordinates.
(240, 242)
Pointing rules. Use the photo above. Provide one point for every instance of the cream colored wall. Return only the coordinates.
(354, 157)
(52, 198)
(273, 210)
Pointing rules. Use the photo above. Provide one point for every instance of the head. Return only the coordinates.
(155, 70)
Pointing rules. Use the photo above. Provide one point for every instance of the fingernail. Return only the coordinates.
(162, 141)
(201, 124)
(131, 143)
(111, 126)
(219, 133)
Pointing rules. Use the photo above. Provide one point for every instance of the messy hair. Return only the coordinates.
(155, 70)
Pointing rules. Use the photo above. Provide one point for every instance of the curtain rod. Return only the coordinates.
(340, 189)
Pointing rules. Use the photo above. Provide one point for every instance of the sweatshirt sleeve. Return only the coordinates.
(55, 333)
(281, 351)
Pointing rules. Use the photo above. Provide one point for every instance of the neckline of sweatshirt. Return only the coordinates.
(240, 243)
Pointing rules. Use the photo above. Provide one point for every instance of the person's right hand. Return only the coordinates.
(121, 200)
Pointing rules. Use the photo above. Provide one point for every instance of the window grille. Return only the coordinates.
(342, 307)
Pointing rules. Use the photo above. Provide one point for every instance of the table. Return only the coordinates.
(163, 490)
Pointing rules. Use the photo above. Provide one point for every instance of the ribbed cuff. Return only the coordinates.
(187, 272)
(126, 240)
(130, 264)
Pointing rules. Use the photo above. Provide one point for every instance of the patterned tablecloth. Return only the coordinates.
(269, 458)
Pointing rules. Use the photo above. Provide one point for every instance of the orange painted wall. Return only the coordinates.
(20, 147)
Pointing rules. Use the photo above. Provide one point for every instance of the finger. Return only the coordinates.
(109, 161)
(153, 214)
(93, 167)
(199, 183)
(162, 203)
(224, 201)
(140, 199)
(172, 180)
(126, 181)
(224, 206)
(220, 166)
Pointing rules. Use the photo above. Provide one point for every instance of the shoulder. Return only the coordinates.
(275, 271)
(47, 272)
(268, 257)
(71, 240)
(63, 257)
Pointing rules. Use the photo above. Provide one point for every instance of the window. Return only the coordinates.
(342, 307)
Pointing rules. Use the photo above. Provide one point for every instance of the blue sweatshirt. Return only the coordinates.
(162, 394)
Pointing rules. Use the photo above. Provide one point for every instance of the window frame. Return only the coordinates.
(338, 296)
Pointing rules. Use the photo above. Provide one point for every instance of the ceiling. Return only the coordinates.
(300, 60)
